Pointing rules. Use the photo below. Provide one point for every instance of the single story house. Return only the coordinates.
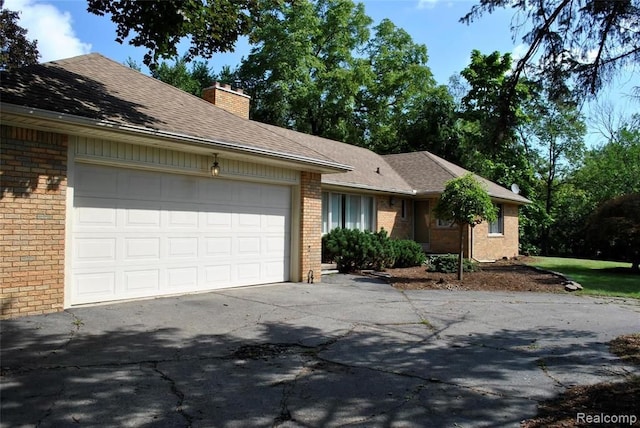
(118, 186)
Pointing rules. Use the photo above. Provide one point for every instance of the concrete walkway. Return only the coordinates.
(351, 351)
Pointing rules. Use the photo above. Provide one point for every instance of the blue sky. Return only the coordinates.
(64, 28)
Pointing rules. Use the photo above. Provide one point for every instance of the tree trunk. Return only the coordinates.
(461, 255)
(635, 266)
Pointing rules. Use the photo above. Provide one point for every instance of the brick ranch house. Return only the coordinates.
(109, 193)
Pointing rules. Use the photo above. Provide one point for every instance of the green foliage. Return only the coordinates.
(613, 230)
(407, 253)
(209, 25)
(15, 49)
(596, 276)
(588, 40)
(192, 80)
(449, 264)
(613, 169)
(466, 202)
(354, 250)
(339, 77)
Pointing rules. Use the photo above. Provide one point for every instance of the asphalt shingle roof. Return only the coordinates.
(93, 86)
(365, 163)
(428, 174)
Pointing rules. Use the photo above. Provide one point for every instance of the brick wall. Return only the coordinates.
(494, 247)
(224, 97)
(389, 217)
(33, 168)
(310, 225)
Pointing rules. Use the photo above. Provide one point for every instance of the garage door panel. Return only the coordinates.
(182, 278)
(88, 215)
(92, 250)
(146, 215)
(219, 246)
(248, 273)
(180, 188)
(139, 186)
(217, 275)
(141, 249)
(102, 182)
(141, 281)
(182, 247)
(90, 287)
(126, 248)
(221, 219)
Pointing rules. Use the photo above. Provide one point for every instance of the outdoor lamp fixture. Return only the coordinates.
(215, 168)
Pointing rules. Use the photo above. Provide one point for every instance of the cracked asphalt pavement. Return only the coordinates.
(351, 351)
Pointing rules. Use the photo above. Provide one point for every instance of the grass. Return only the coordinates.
(598, 277)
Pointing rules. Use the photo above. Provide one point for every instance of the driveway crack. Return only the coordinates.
(175, 391)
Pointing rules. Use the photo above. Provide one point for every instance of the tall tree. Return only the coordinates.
(558, 129)
(194, 79)
(613, 169)
(589, 39)
(15, 49)
(489, 119)
(397, 92)
(210, 25)
(466, 203)
(302, 72)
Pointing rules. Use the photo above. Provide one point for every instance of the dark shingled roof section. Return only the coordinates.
(95, 87)
(428, 174)
(365, 163)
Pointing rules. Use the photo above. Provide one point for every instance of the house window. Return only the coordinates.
(347, 211)
(444, 223)
(403, 209)
(497, 227)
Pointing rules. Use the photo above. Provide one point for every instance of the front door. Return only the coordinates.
(421, 223)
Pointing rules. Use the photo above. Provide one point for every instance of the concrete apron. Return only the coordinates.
(350, 351)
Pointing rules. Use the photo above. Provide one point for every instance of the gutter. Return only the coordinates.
(371, 188)
(65, 118)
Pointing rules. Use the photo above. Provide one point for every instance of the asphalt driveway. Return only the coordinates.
(350, 351)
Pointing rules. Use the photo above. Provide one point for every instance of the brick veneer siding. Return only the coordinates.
(228, 99)
(389, 217)
(310, 225)
(494, 247)
(32, 221)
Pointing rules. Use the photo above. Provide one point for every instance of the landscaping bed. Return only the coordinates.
(502, 275)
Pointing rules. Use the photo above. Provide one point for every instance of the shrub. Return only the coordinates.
(408, 253)
(356, 250)
(449, 264)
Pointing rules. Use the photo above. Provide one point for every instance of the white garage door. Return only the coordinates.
(140, 234)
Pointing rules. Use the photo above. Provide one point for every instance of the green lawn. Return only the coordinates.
(597, 277)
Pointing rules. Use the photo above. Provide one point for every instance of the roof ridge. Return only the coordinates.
(444, 164)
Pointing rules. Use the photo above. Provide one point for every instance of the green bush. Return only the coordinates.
(449, 264)
(408, 253)
(353, 250)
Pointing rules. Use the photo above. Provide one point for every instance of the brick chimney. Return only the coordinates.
(234, 101)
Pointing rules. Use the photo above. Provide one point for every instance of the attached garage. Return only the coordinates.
(139, 233)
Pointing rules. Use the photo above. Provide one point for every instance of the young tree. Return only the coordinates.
(466, 203)
(15, 49)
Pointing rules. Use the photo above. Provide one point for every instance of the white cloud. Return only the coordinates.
(427, 4)
(50, 27)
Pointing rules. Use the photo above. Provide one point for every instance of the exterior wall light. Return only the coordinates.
(215, 168)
